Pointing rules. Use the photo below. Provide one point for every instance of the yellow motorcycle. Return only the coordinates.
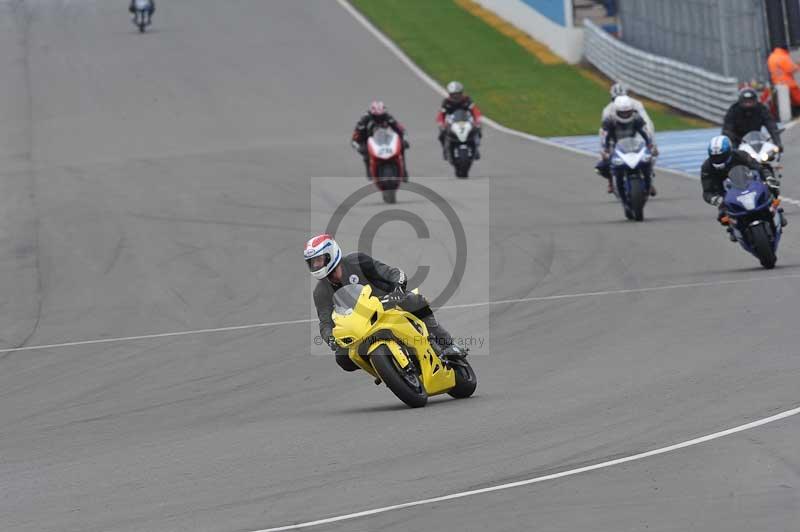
(392, 345)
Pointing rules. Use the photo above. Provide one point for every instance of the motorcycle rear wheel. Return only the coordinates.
(409, 390)
(466, 380)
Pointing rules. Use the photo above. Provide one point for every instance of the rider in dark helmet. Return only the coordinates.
(456, 99)
(333, 270)
(377, 116)
(746, 115)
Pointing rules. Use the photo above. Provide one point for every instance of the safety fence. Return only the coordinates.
(677, 84)
(728, 37)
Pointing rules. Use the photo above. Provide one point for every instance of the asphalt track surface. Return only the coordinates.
(161, 182)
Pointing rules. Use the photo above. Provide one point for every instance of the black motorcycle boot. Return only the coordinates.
(442, 341)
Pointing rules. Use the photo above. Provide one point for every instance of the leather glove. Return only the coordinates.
(356, 146)
(332, 343)
(654, 150)
(396, 296)
(716, 201)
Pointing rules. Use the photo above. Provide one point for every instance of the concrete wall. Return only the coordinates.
(547, 21)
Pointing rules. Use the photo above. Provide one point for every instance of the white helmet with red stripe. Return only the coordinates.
(322, 255)
(377, 109)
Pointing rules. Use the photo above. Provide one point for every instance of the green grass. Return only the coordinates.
(507, 82)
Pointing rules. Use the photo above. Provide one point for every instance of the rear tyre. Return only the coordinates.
(390, 196)
(466, 380)
(406, 385)
(636, 199)
(763, 246)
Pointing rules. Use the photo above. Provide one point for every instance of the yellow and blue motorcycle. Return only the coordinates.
(392, 345)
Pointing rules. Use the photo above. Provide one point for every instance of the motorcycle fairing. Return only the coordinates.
(399, 330)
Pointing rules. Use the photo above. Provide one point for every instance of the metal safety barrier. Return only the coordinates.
(677, 84)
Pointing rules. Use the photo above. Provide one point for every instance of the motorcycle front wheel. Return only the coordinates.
(388, 174)
(406, 385)
(762, 245)
(636, 199)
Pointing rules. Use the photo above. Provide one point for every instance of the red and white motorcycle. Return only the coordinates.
(386, 162)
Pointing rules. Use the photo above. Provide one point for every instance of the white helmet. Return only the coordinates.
(322, 255)
(618, 89)
(454, 87)
(623, 109)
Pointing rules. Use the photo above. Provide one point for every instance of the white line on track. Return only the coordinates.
(534, 299)
(536, 480)
(388, 43)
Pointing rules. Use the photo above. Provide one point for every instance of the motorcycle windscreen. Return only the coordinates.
(740, 177)
(461, 115)
(630, 145)
(345, 298)
(383, 137)
(755, 139)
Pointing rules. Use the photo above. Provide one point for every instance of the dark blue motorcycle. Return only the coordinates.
(629, 166)
(754, 218)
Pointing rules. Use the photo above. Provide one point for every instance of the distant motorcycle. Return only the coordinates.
(760, 147)
(460, 141)
(753, 216)
(386, 161)
(142, 10)
(631, 185)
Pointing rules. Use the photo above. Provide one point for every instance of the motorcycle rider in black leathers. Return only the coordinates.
(377, 116)
(132, 9)
(721, 158)
(624, 123)
(747, 115)
(456, 99)
(326, 263)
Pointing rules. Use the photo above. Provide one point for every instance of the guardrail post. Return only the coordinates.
(784, 103)
(723, 39)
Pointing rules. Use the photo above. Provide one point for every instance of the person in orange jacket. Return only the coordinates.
(782, 69)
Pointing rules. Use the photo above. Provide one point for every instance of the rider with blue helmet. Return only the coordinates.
(721, 158)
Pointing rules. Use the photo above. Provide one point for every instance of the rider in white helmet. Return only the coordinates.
(333, 269)
(624, 122)
(618, 89)
(456, 99)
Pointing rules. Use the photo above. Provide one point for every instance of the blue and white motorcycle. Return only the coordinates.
(754, 216)
(142, 14)
(629, 161)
